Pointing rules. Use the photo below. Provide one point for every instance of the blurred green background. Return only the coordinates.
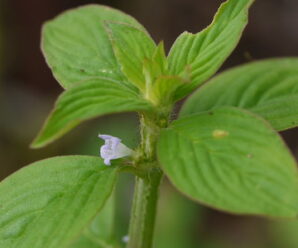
(28, 91)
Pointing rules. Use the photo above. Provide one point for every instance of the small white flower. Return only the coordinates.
(113, 149)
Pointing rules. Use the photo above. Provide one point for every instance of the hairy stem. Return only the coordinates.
(144, 210)
(145, 199)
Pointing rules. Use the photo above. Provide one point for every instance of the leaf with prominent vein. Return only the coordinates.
(131, 46)
(203, 53)
(268, 88)
(88, 100)
(77, 47)
(47, 204)
(232, 160)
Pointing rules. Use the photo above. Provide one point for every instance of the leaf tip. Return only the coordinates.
(36, 144)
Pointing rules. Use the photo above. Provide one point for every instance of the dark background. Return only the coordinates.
(28, 91)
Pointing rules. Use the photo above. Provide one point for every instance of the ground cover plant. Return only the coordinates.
(223, 150)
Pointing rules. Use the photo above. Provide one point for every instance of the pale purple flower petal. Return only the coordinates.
(125, 239)
(113, 148)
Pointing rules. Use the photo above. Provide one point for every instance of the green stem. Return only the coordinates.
(144, 210)
(149, 133)
(146, 187)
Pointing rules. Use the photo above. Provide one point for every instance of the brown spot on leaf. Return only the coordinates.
(249, 155)
(219, 134)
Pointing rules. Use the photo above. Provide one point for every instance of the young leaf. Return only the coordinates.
(87, 100)
(205, 52)
(155, 65)
(162, 92)
(77, 47)
(268, 88)
(159, 59)
(131, 46)
(160, 87)
(48, 203)
(232, 160)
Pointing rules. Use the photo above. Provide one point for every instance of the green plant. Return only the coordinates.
(223, 150)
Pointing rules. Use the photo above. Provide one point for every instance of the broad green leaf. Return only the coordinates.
(103, 224)
(47, 204)
(87, 100)
(231, 160)
(86, 242)
(203, 53)
(268, 88)
(131, 46)
(99, 233)
(77, 47)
